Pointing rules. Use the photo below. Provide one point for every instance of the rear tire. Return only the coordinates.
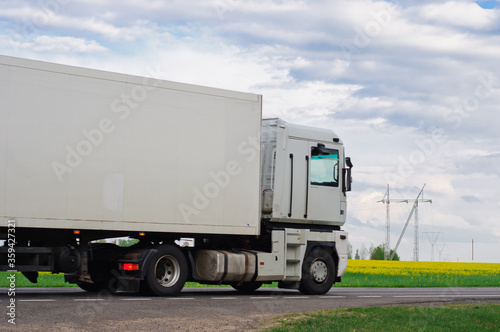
(318, 272)
(166, 272)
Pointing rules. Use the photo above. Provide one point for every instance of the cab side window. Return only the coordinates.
(324, 166)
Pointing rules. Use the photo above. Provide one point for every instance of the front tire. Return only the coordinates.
(166, 272)
(318, 272)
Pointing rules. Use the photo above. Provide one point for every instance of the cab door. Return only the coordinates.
(296, 181)
(324, 184)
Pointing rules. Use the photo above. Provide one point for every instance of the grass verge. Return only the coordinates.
(462, 317)
(45, 279)
(417, 280)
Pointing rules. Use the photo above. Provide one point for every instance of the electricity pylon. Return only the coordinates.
(413, 210)
(387, 247)
(432, 237)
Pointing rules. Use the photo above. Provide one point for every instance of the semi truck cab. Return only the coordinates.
(305, 175)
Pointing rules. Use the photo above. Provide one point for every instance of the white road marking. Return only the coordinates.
(37, 300)
(332, 297)
(296, 297)
(181, 298)
(262, 297)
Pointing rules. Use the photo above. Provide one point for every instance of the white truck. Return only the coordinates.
(214, 193)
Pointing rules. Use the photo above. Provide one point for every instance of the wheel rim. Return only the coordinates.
(319, 271)
(167, 271)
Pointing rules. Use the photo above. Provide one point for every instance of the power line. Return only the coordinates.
(432, 237)
(387, 246)
(413, 210)
(387, 201)
(440, 248)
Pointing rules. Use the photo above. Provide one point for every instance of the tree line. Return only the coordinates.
(373, 253)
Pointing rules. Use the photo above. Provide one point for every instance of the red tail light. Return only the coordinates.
(129, 267)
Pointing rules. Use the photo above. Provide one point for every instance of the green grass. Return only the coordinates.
(418, 280)
(450, 318)
(45, 279)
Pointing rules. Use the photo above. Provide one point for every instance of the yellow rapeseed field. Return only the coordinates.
(373, 273)
(402, 268)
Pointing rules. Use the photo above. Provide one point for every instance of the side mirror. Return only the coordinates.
(348, 162)
(347, 175)
(347, 180)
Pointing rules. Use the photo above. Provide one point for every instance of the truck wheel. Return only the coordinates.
(318, 272)
(167, 271)
(247, 287)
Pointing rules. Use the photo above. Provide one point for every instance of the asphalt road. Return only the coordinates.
(202, 309)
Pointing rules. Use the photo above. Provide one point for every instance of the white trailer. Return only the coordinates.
(88, 155)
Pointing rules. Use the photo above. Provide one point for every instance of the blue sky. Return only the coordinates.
(488, 4)
(412, 87)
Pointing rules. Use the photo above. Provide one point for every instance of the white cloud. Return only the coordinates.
(32, 19)
(459, 13)
(451, 220)
(60, 45)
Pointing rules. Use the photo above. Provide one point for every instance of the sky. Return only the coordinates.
(411, 87)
